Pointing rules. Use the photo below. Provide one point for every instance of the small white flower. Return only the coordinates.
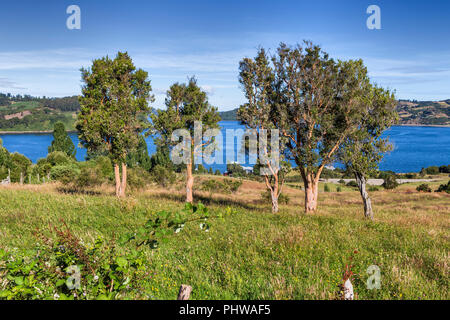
(95, 278)
(56, 296)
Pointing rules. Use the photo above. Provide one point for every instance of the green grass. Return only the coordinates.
(254, 254)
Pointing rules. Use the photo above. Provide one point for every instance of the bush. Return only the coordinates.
(424, 188)
(282, 198)
(352, 184)
(58, 158)
(326, 188)
(163, 176)
(338, 189)
(235, 170)
(342, 181)
(64, 173)
(444, 188)
(217, 173)
(390, 182)
(138, 178)
(373, 188)
(89, 177)
(65, 269)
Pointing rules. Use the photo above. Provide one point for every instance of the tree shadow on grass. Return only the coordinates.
(76, 191)
(206, 200)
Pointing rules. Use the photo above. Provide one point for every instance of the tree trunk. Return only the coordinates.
(189, 183)
(274, 201)
(117, 178)
(311, 193)
(361, 181)
(123, 185)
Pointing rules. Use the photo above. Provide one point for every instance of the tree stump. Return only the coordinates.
(185, 292)
(348, 290)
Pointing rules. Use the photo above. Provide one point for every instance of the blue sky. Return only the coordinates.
(176, 39)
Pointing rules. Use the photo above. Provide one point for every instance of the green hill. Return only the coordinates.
(27, 113)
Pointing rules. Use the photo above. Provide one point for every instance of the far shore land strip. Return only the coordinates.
(74, 131)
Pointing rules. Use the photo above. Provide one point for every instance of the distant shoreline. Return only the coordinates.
(32, 132)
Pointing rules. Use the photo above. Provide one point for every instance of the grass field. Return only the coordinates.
(254, 254)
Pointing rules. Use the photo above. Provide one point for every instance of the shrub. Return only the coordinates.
(201, 169)
(432, 170)
(424, 188)
(66, 269)
(444, 187)
(326, 188)
(235, 170)
(341, 181)
(217, 173)
(138, 178)
(282, 198)
(89, 177)
(64, 173)
(390, 182)
(352, 184)
(163, 176)
(373, 188)
(58, 158)
(338, 189)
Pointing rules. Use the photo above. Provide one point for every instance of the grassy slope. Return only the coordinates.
(255, 254)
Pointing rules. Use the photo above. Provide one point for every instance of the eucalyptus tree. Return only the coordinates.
(115, 96)
(186, 106)
(363, 150)
(258, 114)
(321, 106)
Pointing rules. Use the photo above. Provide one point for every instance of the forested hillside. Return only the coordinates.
(27, 113)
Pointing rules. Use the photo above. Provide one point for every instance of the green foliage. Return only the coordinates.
(341, 181)
(138, 178)
(61, 141)
(140, 157)
(444, 169)
(185, 104)
(201, 169)
(390, 182)
(373, 188)
(282, 198)
(338, 189)
(444, 188)
(217, 173)
(352, 184)
(66, 269)
(65, 173)
(236, 170)
(57, 158)
(424, 188)
(162, 158)
(20, 164)
(163, 176)
(114, 96)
